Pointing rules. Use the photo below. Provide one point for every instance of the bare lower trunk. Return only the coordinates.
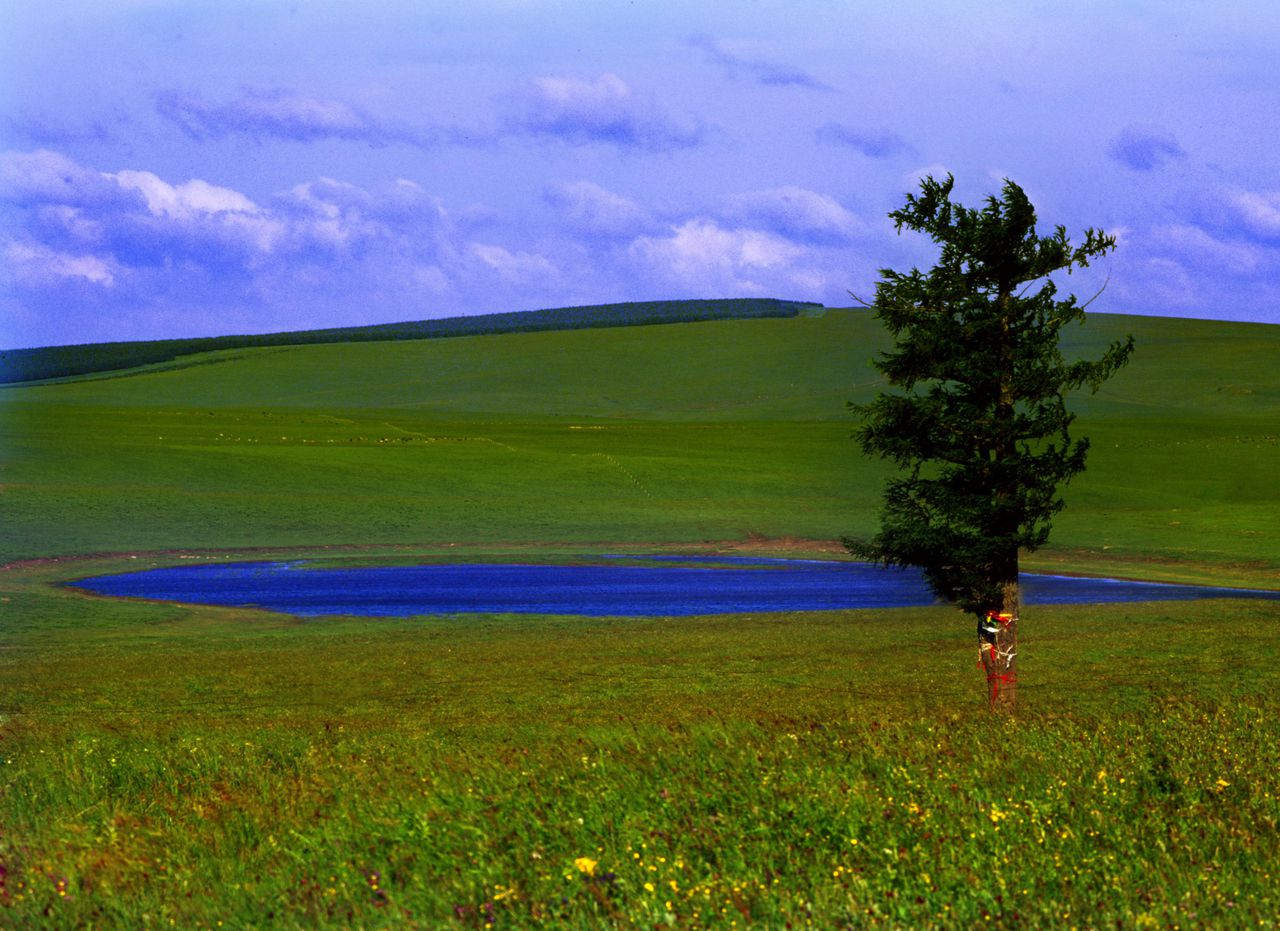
(998, 650)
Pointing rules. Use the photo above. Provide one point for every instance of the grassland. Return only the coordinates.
(190, 767)
(167, 766)
(55, 362)
(705, 431)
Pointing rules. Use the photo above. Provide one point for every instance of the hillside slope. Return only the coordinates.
(701, 431)
(53, 362)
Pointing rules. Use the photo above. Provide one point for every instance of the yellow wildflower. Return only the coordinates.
(585, 865)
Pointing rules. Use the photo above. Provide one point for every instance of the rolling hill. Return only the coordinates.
(708, 430)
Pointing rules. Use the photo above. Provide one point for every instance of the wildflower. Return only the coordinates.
(585, 865)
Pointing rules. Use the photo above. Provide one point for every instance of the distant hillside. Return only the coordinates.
(629, 435)
(27, 365)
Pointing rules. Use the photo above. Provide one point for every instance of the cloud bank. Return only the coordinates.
(287, 115)
(872, 143)
(592, 210)
(602, 110)
(758, 70)
(190, 256)
(797, 214)
(94, 255)
(1144, 149)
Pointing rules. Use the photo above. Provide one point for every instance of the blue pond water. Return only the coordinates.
(733, 585)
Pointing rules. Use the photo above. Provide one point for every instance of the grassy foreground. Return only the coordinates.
(165, 766)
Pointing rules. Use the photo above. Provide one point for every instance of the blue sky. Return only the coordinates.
(176, 169)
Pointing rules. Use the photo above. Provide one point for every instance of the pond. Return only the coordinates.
(661, 586)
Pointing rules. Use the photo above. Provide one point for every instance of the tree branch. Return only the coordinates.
(860, 300)
(1100, 290)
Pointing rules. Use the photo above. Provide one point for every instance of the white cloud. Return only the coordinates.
(333, 215)
(405, 198)
(286, 114)
(196, 217)
(703, 255)
(297, 114)
(514, 266)
(591, 208)
(1195, 244)
(72, 224)
(37, 264)
(45, 177)
(1258, 212)
(318, 197)
(740, 62)
(798, 214)
(604, 110)
(341, 217)
(183, 201)
(327, 197)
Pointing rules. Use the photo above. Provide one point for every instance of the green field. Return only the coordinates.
(682, 433)
(46, 363)
(191, 767)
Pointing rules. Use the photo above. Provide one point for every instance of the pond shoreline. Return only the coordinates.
(612, 585)
(1070, 564)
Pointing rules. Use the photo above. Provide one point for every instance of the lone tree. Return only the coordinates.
(978, 424)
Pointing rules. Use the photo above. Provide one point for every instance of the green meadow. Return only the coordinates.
(173, 766)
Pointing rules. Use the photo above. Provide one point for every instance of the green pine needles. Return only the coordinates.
(978, 422)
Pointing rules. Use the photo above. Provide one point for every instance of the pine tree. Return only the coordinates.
(978, 425)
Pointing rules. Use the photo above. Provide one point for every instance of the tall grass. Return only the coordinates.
(195, 766)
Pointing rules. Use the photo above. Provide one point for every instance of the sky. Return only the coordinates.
(172, 169)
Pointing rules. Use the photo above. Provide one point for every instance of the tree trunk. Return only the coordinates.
(998, 650)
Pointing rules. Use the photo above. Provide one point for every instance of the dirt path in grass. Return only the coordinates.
(780, 546)
(1128, 567)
